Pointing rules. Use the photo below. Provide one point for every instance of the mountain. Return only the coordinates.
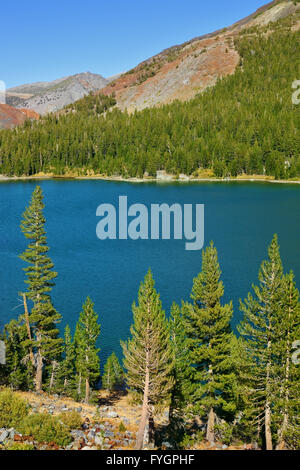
(46, 97)
(183, 71)
(245, 125)
(177, 73)
(11, 117)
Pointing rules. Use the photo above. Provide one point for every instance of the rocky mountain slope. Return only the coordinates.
(45, 97)
(183, 71)
(11, 117)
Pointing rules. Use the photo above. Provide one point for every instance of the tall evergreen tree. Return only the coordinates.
(148, 357)
(182, 371)
(79, 360)
(67, 366)
(287, 407)
(209, 333)
(245, 426)
(260, 327)
(87, 333)
(40, 276)
(113, 376)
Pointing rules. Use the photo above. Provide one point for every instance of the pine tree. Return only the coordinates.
(182, 371)
(242, 366)
(209, 332)
(67, 366)
(113, 376)
(40, 276)
(260, 327)
(286, 408)
(18, 367)
(148, 356)
(79, 361)
(87, 333)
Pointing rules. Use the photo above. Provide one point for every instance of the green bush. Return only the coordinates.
(19, 446)
(224, 433)
(45, 428)
(71, 419)
(122, 427)
(13, 409)
(292, 438)
(189, 441)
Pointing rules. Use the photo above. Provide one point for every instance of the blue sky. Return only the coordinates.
(44, 40)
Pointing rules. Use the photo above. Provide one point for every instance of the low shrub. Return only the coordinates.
(19, 446)
(122, 427)
(224, 433)
(189, 441)
(71, 419)
(46, 428)
(13, 409)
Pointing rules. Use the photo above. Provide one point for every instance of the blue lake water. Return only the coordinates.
(240, 218)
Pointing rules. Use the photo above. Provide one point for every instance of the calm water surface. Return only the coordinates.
(241, 218)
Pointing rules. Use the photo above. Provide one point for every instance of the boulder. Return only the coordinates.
(167, 445)
(112, 414)
(99, 441)
(77, 434)
(4, 434)
(12, 433)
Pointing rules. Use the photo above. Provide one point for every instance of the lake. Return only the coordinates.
(240, 218)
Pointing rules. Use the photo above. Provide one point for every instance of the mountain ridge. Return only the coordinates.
(45, 97)
(232, 129)
(11, 117)
(177, 73)
(182, 71)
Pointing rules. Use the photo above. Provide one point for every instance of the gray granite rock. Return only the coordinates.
(112, 414)
(4, 434)
(99, 441)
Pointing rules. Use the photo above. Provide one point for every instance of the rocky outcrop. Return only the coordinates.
(183, 71)
(11, 117)
(30, 114)
(175, 74)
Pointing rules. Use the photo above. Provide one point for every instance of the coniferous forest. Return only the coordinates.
(242, 385)
(246, 124)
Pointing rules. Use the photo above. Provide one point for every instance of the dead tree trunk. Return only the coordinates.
(268, 432)
(145, 412)
(79, 384)
(26, 315)
(39, 371)
(52, 378)
(210, 432)
(87, 391)
(285, 422)
(269, 444)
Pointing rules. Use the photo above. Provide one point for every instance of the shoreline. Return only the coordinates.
(120, 179)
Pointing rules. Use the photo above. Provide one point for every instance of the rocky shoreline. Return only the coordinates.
(185, 180)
